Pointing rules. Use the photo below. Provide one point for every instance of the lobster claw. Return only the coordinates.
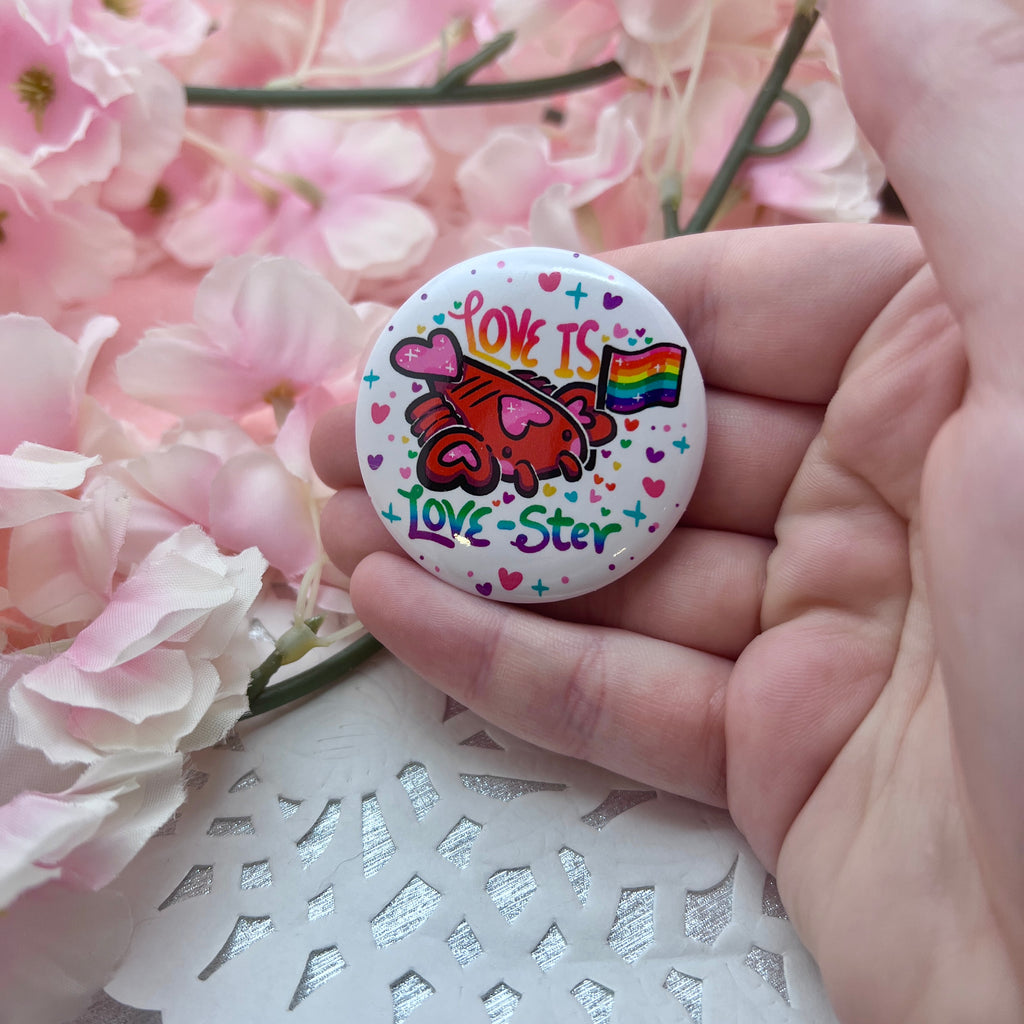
(458, 457)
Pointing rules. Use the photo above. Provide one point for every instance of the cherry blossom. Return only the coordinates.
(266, 329)
(155, 671)
(337, 195)
(82, 112)
(54, 252)
(159, 27)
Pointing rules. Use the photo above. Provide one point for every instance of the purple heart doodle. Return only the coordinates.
(484, 588)
(612, 301)
(374, 461)
(654, 456)
(641, 331)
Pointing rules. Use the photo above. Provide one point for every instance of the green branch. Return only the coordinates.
(451, 90)
(744, 145)
(327, 672)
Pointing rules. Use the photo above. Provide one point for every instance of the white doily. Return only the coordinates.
(380, 854)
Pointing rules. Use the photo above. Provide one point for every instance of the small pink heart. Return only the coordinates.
(379, 413)
(406, 471)
(655, 488)
(509, 580)
(519, 414)
(549, 282)
(594, 496)
(619, 331)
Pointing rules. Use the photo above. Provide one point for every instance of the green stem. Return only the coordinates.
(744, 144)
(429, 96)
(304, 683)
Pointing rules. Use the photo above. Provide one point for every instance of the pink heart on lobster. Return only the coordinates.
(519, 414)
(438, 356)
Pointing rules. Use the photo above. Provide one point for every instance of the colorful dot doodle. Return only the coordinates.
(519, 389)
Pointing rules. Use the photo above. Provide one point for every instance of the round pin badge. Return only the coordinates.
(531, 425)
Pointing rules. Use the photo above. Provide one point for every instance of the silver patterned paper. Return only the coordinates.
(287, 806)
(596, 1000)
(500, 787)
(769, 966)
(511, 890)
(550, 949)
(255, 875)
(457, 845)
(709, 911)
(452, 708)
(321, 966)
(247, 781)
(617, 802)
(483, 740)
(320, 834)
(689, 991)
(407, 911)
(378, 846)
(501, 1002)
(198, 881)
(246, 931)
(771, 902)
(240, 826)
(321, 905)
(577, 872)
(464, 944)
(416, 782)
(632, 933)
(407, 994)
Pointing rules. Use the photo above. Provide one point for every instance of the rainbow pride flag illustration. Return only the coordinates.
(631, 381)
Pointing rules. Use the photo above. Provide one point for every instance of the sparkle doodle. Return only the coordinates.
(497, 417)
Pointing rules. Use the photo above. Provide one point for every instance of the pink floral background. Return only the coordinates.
(183, 291)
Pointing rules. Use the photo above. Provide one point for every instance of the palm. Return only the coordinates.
(797, 678)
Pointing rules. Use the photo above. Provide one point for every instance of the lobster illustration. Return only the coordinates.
(477, 425)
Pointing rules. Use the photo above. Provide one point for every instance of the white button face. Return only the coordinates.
(531, 425)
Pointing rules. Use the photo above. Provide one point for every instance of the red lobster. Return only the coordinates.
(477, 425)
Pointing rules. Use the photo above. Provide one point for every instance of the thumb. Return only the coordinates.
(938, 87)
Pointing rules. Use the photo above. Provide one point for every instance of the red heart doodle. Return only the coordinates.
(509, 580)
(549, 282)
(655, 488)
(632, 424)
(379, 413)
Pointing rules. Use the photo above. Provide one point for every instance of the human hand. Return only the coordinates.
(829, 643)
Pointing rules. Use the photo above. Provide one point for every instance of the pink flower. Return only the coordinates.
(44, 380)
(83, 112)
(161, 28)
(159, 670)
(32, 480)
(53, 252)
(515, 175)
(832, 176)
(337, 195)
(266, 330)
